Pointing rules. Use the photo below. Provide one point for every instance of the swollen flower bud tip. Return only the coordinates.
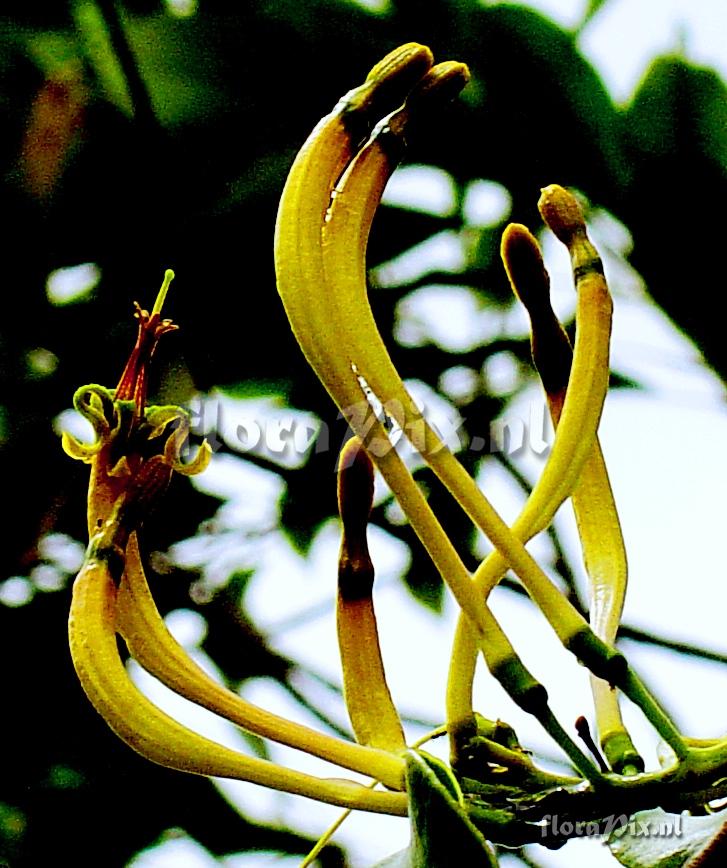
(440, 85)
(408, 59)
(355, 487)
(387, 85)
(444, 80)
(561, 212)
(525, 267)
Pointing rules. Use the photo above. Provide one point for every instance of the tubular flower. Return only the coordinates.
(322, 230)
(493, 787)
(374, 718)
(320, 262)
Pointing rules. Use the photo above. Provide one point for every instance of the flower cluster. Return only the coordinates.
(326, 210)
(137, 448)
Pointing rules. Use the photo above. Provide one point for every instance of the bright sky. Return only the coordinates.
(663, 449)
(642, 29)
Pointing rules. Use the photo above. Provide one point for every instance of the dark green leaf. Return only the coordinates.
(553, 115)
(677, 128)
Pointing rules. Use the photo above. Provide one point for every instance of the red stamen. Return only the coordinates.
(133, 383)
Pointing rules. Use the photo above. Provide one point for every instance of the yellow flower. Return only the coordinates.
(136, 450)
(324, 219)
(326, 210)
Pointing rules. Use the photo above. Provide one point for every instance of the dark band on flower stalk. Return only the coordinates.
(355, 573)
(355, 497)
(564, 217)
(551, 349)
(386, 86)
(373, 716)
(524, 689)
(440, 85)
(111, 553)
(552, 355)
(532, 697)
(592, 266)
(598, 657)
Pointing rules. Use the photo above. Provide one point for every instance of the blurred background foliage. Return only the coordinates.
(142, 135)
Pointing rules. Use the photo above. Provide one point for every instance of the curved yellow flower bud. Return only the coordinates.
(339, 336)
(151, 732)
(597, 519)
(151, 644)
(307, 193)
(371, 710)
(574, 451)
(353, 357)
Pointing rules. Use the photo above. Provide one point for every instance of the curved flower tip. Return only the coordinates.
(176, 449)
(355, 486)
(439, 86)
(96, 404)
(173, 422)
(530, 283)
(401, 68)
(525, 268)
(443, 82)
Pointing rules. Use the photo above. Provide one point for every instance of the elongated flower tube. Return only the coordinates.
(349, 220)
(151, 644)
(147, 729)
(360, 362)
(307, 193)
(136, 450)
(324, 292)
(300, 267)
(593, 324)
(373, 715)
(593, 502)
(356, 357)
(322, 231)
(586, 372)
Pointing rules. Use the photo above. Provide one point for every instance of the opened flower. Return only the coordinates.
(137, 448)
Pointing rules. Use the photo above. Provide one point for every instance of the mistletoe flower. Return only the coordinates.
(132, 438)
(493, 786)
(136, 451)
(322, 232)
(324, 219)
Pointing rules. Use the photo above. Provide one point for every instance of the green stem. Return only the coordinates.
(634, 689)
